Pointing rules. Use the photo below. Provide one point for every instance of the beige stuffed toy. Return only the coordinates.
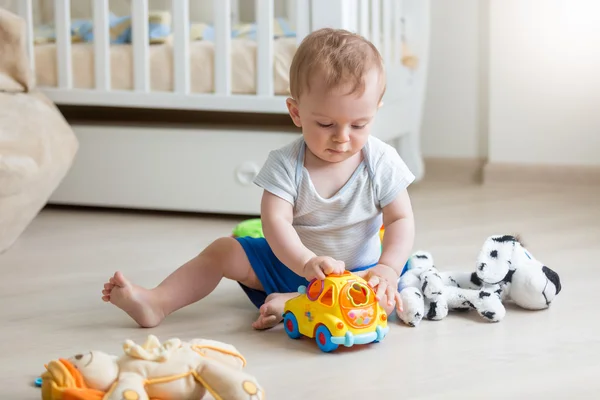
(153, 371)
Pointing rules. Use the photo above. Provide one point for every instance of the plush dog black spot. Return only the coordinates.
(419, 295)
(431, 313)
(504, 239)
(422, 256)
(489, 314)
(424, 286)
(461, 309)
(468, 303)
(475, 279)
(509, 275)
(481, 266)
(552, 277)
(494, 254)
(484, 294)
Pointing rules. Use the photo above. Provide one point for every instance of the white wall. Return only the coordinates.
(545, 82)
(543, 91)
(451, 125)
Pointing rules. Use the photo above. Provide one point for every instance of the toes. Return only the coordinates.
(265, 322)
(108, 286)
(106, 298)
(119, 280)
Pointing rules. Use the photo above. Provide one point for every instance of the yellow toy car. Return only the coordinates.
(340, 310)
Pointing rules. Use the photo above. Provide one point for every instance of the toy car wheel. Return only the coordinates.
(291, 325)
(323, 339)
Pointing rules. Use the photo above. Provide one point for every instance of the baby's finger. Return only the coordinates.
(390, 294)
(319, 274)
(373, 281)
(380, 290)
(341, 267)
(398, 302)
(327, 266)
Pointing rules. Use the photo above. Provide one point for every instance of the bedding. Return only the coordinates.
(159, 29)
(243, 65)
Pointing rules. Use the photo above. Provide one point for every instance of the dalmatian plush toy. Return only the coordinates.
(505, 271)
(431, 294)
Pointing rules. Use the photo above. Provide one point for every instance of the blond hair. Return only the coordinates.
(341, 56)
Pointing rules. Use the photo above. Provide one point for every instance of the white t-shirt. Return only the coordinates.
(345, 226)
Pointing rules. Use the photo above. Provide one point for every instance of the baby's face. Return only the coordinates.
(335, 124)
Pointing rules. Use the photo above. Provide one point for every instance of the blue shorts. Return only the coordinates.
(274, 276)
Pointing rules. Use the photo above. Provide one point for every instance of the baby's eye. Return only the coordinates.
(358, 126)
(324, 125)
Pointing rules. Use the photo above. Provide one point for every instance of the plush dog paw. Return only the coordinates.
(412, 306)
(489, 305)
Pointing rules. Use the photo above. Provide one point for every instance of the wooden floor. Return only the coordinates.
(50, 302)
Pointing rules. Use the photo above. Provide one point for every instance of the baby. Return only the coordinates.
(325, 198)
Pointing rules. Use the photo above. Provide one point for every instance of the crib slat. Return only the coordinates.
(222, 22)
(181, 51)
(387, 31)
(102, 63)
(265, 12)
(141, 69)
(364, 19)
(397, 32)
(235, 12)
(302, 18)
(62, 20)
(26, 12)
(375, 26)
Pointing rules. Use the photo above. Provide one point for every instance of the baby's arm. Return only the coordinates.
(397, 243)
(399, 235)
(277, 217)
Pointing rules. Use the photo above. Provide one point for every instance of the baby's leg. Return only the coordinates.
(191, 282)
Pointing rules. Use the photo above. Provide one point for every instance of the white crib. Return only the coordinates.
(206, 167)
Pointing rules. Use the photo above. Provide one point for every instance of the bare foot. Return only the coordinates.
(135, 300)
(271, 313)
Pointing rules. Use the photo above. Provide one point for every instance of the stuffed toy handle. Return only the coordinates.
(128, 387)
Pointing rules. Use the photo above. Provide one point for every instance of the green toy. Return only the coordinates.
(251, 227)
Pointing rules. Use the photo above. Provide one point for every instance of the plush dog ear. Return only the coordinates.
(552, 277)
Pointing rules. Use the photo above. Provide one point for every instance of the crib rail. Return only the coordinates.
(378, 20)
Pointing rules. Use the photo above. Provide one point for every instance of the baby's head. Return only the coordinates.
(337, 80)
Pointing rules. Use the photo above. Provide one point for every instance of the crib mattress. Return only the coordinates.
(243, 66)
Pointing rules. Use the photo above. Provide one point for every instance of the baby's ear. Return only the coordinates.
(292, 106)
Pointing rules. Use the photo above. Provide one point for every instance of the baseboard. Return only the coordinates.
(541, 174)
(476, 170)
(454, 170)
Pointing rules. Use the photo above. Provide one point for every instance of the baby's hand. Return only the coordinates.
(384, 280)
(318, 267)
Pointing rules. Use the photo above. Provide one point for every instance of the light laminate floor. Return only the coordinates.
(50, 302)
